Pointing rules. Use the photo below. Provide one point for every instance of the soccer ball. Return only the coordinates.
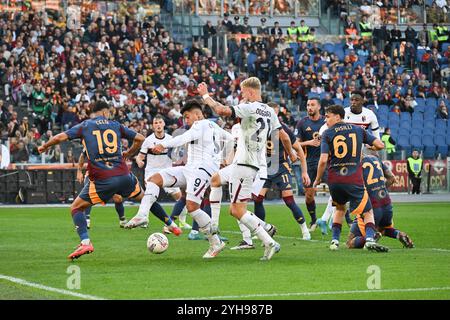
(157, 243)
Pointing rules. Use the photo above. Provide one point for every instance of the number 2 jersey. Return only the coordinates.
(258, 121)
(343, 142)
(373, 171)
(102, 141)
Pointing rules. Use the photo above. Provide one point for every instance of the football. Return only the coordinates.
(157, 243)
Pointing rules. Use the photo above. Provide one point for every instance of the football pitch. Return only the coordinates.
(34, 244)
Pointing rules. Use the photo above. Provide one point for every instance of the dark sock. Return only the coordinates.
(159, 212)
(347, 217)
(87, 213)
(359, 242)
(178, 208)
(391, 232)
(79, 219)
(120, 210)
(311, 207)
(260, 211)
(296, 211)
(370, 230)
(336, 229)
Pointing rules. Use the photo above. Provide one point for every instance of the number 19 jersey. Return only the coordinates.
(258, 120)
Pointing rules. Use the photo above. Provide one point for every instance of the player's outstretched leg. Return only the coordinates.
(161, 214)
(150, 196)
(400, 235)
(77, 210)
(322, 222)
(118, 204)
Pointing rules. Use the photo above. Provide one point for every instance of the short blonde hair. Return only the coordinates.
(252, 83)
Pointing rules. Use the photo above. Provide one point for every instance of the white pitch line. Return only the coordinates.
(292, 294)
(51, 289)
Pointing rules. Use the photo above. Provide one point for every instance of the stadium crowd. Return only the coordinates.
(50, 76)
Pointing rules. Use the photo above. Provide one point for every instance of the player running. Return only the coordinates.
(341, 149)
(280, 175)
(258, 122)
(108, 172)
(377, 178)
(118, 200)
(307, 132)
(195, 176)
(157, 162)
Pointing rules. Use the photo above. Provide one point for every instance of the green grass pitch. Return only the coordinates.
(34, 244)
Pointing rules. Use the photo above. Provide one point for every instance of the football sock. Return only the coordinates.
(206, 208)
(183, 215)
(87, 212)
(79, 219)
(246, 234)
(178, 208)
(359, 242)
(161, 214)
(120, 210)
(370, 230)
(204, 225)
(260, 211)
(391, 233)
(150, 197)
(295, 209)
(251, 222)
(215, 199)
(336, 229)
(265, 225)
(328, 211)
(311, 206)
(347, 217)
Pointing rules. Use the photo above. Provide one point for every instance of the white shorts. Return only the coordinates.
(241, 182)
(225, 174)
(258, 185)
(149, 173)
(194, 180)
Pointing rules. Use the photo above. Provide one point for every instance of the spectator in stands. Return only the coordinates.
(442, 111)
(410, 34)
(20, 153)
(208, 32)
(227, 23)
(276, 30)
(396, 37)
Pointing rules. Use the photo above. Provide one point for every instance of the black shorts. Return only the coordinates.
(312, 173)
(356, 195)
(283, 178)
(101, 191)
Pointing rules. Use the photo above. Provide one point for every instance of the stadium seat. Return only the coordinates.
(421, 101)
(429, 152)
(444, 46)
(346, 102)
(417, 124)
(329, 47)
(420, 53)
(448, 139)
(338, 101)
(382, 108)
(429, 116)
(440, 140)
(416, 141)
(313, 95)
(441, 126)
(428, 126)
(404, 131)
(427, 140)
(442, 150)
(420, 108)
(403, 141)
(383, 122)
(405, 123)
(417, 116)
(432, 102)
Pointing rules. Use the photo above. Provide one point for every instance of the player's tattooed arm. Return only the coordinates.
(301, 155)
(80, 168)
(137, 143)
(217, 107)
(390, 178)
(140, 160)
(286, 141)
(53, 141)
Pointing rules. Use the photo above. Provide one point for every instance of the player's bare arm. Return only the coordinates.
(301, 156)
(377, 145)
(390, 178)
(137, 143)
(218, 108)
(321, 168)
(286, 141)
(140, 160)
(59, 138)
(311, 143)
(80, 176)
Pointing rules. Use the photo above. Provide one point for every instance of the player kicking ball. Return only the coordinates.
(202, 162)
(108, 172)
(377, 178)
(341, 149)
(258, 121)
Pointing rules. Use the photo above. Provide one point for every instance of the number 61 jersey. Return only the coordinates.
(102, 140)
(343, 143)
(258, 121)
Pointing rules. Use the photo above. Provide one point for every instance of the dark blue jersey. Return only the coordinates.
(343, 143)
(275, 150)
(306, 130)
(373, 172)
(102, 141)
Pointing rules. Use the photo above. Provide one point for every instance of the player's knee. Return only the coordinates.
(156, 179)
(215, 181)
(258, 198)
(192, 206)
(117, 198)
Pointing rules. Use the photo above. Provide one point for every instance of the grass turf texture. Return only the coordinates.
(35, 242)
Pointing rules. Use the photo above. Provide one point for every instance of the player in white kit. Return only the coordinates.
(157, 162)
(258, 121)
(195, 176)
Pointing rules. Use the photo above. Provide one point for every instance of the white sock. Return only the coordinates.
(251, 222)
(150, 197)
(183, 215)
(246, 234)
(215, 198)
(85, 242)
(204, 225)
(304, 228)
(328, 211)
(264, 224)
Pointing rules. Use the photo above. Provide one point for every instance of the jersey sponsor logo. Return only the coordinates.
(308, 129)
